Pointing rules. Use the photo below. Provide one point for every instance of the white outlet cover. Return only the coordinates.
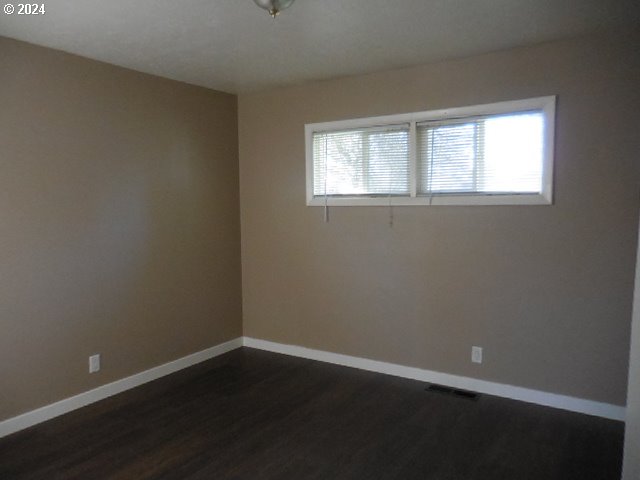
(94, 363)
(476, 354)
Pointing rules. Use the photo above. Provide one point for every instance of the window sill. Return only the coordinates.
(525, 199)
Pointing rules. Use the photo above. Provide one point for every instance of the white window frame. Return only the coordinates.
(547, 105)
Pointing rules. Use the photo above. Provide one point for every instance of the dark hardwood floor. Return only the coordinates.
(256, 415)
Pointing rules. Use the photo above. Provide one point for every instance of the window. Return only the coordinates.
(498, 154)
(369, 161)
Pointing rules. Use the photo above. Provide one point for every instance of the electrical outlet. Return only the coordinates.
(476, 354)
(94, 363)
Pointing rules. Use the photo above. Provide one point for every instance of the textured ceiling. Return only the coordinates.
(233, 46)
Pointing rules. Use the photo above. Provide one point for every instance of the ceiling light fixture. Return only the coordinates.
(274, 7)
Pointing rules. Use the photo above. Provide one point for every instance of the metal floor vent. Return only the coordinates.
(453, 392)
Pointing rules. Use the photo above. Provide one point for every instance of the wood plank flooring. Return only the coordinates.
(252, 415)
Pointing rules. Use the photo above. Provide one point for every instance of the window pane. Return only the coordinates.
(449, 160)
(497, 154)
(361, 162)
(513, 153)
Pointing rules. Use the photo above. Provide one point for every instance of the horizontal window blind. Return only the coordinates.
(490, 154)
(495, 154)
(361, 162)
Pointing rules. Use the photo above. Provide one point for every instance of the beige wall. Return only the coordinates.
(119, 223)
(546, 290)
(632, 428)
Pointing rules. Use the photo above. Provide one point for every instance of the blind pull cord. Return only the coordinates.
(326, 210)
(390, 213)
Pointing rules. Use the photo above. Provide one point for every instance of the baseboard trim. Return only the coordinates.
(589, 407)
(34, 417)
(56, 409)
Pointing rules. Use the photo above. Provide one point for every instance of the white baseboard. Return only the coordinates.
(48, 412)
(589, 407)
